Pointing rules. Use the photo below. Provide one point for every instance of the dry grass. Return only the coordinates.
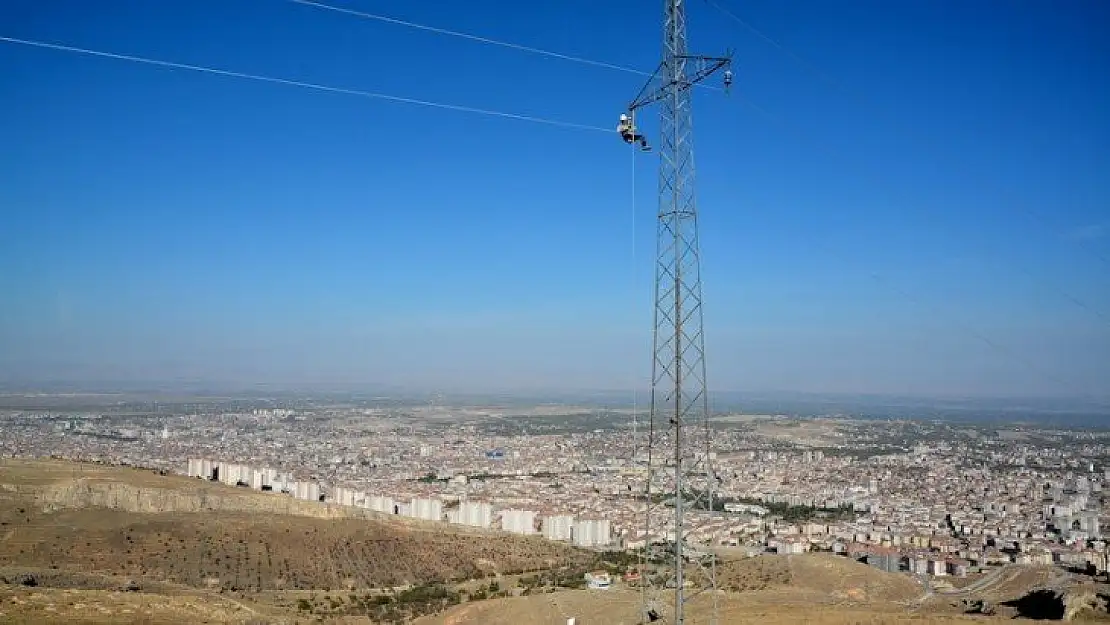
(241, 550)
(834, 577)
(621, 607)
(248, 552)
(52, 605)
(768, 590)
(236, 561)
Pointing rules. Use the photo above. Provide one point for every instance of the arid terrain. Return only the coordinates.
(84, 543)
(817, 589)
(84, 534)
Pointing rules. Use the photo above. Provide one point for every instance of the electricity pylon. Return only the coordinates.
(680, 478)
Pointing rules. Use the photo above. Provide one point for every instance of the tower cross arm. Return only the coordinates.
(664, 81)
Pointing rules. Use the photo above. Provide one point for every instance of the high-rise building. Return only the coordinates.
(233, 474)
(518, 521)
(592, 533)
(427, 509)
(380, 503)
(308, 491)
(194, 468)
(257, 478)
(472, 513)
(347, 496)
(558, 527)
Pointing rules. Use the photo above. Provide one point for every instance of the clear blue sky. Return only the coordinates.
(863, 233)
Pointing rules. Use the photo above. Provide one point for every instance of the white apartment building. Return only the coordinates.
(518, 521)
(558, 527)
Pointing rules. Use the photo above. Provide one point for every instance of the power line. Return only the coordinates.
(967, 328)
(995, 345)
(834, 153)
(814, 70)
(471, 37)
(810, 67)
(440, 105)
(1062, 293)
(306, 85)
(481, 39)
(978, 335)
(520, 47)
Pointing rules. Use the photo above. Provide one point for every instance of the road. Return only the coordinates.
(993, 578)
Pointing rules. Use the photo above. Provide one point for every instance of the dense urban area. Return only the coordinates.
(931, 498)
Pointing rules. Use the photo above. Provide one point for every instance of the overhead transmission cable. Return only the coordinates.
(834, 153)
(880, 183)
(481, 39)
(532, 50)
(635, 289)
(1062, 382)
(969, 329)
(420, 102)
(810, 67)
(472, 37)
(821, 75)
(306, 85)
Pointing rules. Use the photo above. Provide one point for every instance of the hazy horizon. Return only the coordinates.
(929, 223)
(447, 394)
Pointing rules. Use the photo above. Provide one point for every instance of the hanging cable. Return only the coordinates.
(809, 67)
(635, 290)
(813, 69)
(1033, 214)
(642, 559)
(484, 40)
(477, 38)
(296, 83)
(968, 329)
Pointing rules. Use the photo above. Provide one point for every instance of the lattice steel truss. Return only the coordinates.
(677, 566)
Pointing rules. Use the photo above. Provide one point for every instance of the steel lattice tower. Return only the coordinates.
(679, 475)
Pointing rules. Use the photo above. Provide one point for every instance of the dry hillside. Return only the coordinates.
(236, 549)
(252, 552)
(90, 544)
(74, 538)
(99, 607)
(816, 589)
(821, 574)
(621, 607)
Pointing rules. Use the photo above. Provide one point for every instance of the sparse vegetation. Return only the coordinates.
(383, 608)
(248, 553)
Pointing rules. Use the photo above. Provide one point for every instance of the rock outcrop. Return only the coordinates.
(1082, 603)
(83, 493)
(1058, 605)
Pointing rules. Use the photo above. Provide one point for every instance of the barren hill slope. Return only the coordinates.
(816, 589)
(115, 545)
(621, 607)
(823, 574)
(232, 545)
